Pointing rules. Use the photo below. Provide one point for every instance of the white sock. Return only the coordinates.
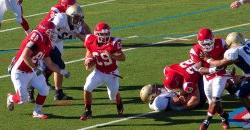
(38, 108)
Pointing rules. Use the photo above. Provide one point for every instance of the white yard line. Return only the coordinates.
(172, 38)
(116, 121)
(151, 44)
(10, 29)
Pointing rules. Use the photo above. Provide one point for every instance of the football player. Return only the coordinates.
(161, 99)
(68, 18)
(214, 78)
(36, 46)
(102, 54)
(238, 3)
(238, 54)
(16, 7)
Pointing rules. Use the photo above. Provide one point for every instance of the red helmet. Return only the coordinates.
(173, 80)
(48, 29)
(102, 31)
(66, 3)
(205, 38)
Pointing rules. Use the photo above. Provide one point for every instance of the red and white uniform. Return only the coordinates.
(181, 76)
(53, 11)
(214, 83)
(21, 74)
(106, 68)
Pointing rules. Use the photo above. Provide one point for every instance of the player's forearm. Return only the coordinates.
(219, 63)
(192, 103)
(81, 36)
(52, 66)
(118, 56)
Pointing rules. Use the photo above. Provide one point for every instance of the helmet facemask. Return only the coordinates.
(75, 15)
(207, 44)
(75, 20)
(103, 36)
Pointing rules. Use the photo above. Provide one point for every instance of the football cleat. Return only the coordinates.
(39, 115)
(204, 125)
(86, 115)
(62, 97)
(10, 105)
(120, 110)
(225, 122)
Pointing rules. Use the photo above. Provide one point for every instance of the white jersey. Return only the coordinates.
(162, 101)
(242, 57)
(64, 30)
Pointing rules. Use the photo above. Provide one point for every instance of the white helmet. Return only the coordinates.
(235, 39)
(75, 14)
(149, 92)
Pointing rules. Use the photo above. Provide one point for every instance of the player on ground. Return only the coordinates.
(238, 3)
(36, 46)
(102, 54)
(180, 77)
(214, 79)
(16, 7)
(238, 54)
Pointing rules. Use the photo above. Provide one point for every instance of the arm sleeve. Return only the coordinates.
(194, 56)
(160, 103)
(231, 54)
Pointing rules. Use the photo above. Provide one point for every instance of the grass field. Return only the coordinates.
(147, 27)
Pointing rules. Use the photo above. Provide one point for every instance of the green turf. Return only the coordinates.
(151, 21)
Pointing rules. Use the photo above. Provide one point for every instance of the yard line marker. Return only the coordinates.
(10, 29)
(106, 1)
(151, 44)
(116, 121)
(171, 38)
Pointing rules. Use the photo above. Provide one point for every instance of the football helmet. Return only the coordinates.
(48, 29)
(235, 39)
(149, 92)
(102, 31)
(75, 15)
(66, 3)
(205, 39)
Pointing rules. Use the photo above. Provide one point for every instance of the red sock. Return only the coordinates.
(25, 24)
(118, 99)
(40, 99)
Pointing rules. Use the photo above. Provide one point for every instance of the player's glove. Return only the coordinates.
(38, 71)
(65, 73)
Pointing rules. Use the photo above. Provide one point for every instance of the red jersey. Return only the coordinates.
(217, 53)
(40, 46)
(184, 74)
(54, 10)
(104, 63)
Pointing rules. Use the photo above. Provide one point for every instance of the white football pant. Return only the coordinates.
(214, 87)
(21, 80)
(97, 78)
(13, 6)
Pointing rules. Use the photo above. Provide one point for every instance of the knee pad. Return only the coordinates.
(45, 91)
(19, 19)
